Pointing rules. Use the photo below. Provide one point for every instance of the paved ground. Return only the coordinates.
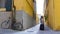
(33, 30)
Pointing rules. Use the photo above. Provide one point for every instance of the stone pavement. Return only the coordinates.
(33, 30)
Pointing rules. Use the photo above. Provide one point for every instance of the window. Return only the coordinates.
(8, 5)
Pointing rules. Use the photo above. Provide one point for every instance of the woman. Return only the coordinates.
(42, 23)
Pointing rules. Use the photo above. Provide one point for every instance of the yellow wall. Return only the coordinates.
(18, 4)
(51, 14)
(57, 14)
(54, 14)
(23, 5)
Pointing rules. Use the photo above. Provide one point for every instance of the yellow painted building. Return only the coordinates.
(27, 5)
(24, 11)
(52, 11)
